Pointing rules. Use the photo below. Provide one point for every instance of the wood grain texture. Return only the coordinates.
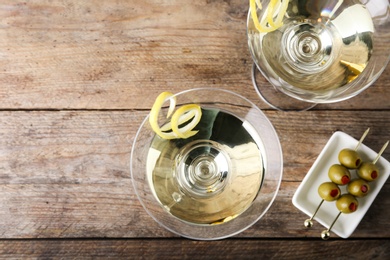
(104, 54)
(66, 173)
(76, 80)
(121, 54)
(187, 249)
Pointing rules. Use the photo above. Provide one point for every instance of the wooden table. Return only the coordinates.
(76, 80)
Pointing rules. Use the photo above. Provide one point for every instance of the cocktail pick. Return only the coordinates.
(345, 204)
(326, 233)
(349, 157)
(368, 170)
(309, 222)
(380, 152)
(362, 138)
(328, 191)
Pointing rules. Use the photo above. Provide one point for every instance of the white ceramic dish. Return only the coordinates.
(306, 197)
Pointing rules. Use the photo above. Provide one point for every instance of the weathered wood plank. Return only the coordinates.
(187, 249)
(89, 54)
(112, 210)
(121, 54)
(66, 173)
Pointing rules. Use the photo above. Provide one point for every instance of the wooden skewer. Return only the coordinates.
(362, 138)
(380, 152)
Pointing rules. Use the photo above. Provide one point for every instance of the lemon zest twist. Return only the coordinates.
(182, 115)
(268, 23)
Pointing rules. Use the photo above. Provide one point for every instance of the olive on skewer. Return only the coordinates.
(328, 191)
(345, 204)
(368, 170)
(350, 157)
(358, 188)
(339, 174)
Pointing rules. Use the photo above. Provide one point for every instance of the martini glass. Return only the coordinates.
(326, 51)
(216, 183)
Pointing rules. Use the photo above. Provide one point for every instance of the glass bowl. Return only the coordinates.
(326, 50)
(217, 183)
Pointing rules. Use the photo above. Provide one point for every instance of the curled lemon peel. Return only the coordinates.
(255, 18)
(155, 111)
(188, 111)
(282, 12)
(270, 13)
(182, 115)
(274, 8)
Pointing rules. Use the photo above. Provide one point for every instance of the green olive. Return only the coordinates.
(347, 203)
(358, 188)
(329, 191)
(339, 174)
(368, 171)
(350, 158)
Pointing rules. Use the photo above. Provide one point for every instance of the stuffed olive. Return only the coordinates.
(339, 174)
(347, 203)
(349, 158)
(358, 188)
(368, 171)
(329, 191)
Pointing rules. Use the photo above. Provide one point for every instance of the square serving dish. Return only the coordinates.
(306, 197)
